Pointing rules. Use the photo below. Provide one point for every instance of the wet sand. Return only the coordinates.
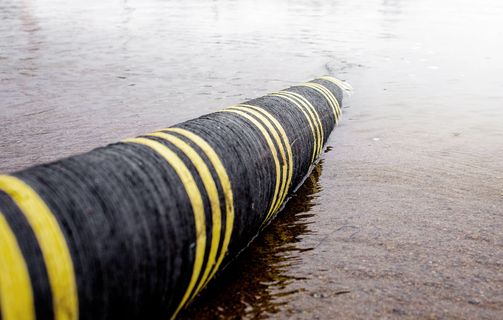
(403, 217)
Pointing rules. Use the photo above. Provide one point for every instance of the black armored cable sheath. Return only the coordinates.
(136, 229)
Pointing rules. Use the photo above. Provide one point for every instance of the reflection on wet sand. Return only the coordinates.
(255, 285)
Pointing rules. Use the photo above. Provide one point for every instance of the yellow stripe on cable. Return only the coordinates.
(197, 207)
(322, 90)
(285, 139)
(319, 140)
(284, 165)
(279, 181)
(330, 96)
(226, 188)
(281, 139)
(16, 296)
(309, 106)
(211, 189)
(51, 240)
(319, 126)
(310, 121)
(341, 84)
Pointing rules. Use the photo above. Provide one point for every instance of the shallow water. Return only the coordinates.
(406, 218)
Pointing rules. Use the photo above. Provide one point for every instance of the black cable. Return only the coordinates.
(137, 228)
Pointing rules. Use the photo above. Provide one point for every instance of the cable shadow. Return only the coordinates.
(254, 285)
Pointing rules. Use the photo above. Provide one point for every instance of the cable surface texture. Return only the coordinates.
(136, 229)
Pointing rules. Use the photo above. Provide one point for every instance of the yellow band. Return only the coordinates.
(331, 97)
(327, 94)
(267, 136)
(282, 141)
(197, 207)
(310, 121)
(284, 165)
(16, 296)
(211, 189)
(341, 84)
(226, 189)
(310, 107)
(51, 240)
(303, 104)
(314, 112)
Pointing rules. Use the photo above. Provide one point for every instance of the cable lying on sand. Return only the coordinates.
(138, 228)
